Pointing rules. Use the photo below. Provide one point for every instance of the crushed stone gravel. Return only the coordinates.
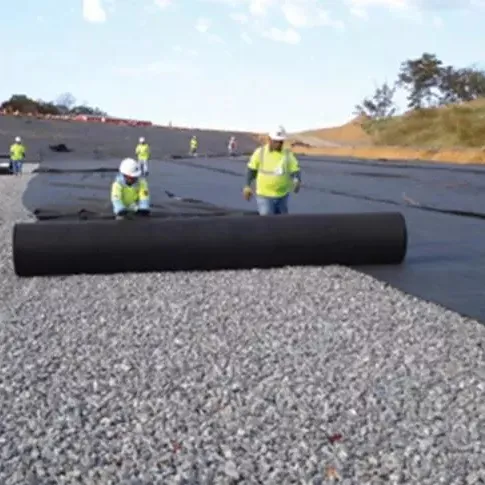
(292, 376)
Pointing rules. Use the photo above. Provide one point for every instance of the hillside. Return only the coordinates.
(454, 133)
(348, 134)
(452, 126)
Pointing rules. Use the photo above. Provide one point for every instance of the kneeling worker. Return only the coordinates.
(129, 192)
(277, 173)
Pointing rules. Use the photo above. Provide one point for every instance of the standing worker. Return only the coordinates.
(193, 146)
(129, 192)
(17, 156)
(232, 147)
(276, 171)
(143, 154)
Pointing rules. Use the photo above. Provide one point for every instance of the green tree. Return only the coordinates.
(380, 105)
(421, 79)
(461, 85)
(65, 104)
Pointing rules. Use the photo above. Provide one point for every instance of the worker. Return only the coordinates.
(17, 156)
(143, 154)
(193, 146)
(129, 192)
(232, 147)
(276, 171)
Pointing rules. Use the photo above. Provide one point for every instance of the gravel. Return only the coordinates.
(304, 376)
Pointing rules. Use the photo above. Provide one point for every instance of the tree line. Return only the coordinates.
(65, 104)
(428, 83)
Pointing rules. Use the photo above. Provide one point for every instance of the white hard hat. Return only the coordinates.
(278, 135)
(130, 167)
(142, 140)
(18, 139)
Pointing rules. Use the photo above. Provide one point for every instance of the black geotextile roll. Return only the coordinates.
(207, 243)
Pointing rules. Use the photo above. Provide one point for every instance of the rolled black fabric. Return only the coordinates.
(207, 243)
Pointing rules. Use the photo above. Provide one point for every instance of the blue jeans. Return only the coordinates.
(144, 167)
(16, 166)
(272, 205)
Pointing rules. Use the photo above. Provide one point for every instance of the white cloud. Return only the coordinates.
(306, 13)
(359, 12)
(413, 6)
(155, 68)
(260, 7)
(287, 36)
(203, 25)
(162, 3)
(417, 11)
(392, 4)
(93, 11)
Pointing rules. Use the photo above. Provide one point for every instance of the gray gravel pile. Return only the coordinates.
(295, 376)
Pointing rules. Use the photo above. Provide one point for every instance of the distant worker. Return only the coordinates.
(129, 192)
(277, 173)
(232, 146)
(194, 143)
(17, 156)
(143, 154)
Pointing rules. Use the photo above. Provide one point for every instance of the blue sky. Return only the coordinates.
(235, 64)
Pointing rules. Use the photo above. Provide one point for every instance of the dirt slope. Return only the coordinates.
(349, 134)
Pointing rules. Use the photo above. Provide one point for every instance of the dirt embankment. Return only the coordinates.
(455, 133)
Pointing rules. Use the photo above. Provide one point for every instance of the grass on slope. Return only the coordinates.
(455, 133)
(453, 126)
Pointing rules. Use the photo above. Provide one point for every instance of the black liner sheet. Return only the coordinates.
(444, 207)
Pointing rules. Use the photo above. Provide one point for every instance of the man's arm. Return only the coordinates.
(250, 176)
(253, 166)
(117, 198)
(294, 167)
(144, 196)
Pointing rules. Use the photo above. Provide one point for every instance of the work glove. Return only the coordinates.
(247, 193)
(297, 186)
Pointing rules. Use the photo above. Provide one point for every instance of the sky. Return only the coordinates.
(228, 64)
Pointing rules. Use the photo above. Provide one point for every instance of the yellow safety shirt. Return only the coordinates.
(143, 152)
(274, 171)
(130, 197)
(17, 152)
